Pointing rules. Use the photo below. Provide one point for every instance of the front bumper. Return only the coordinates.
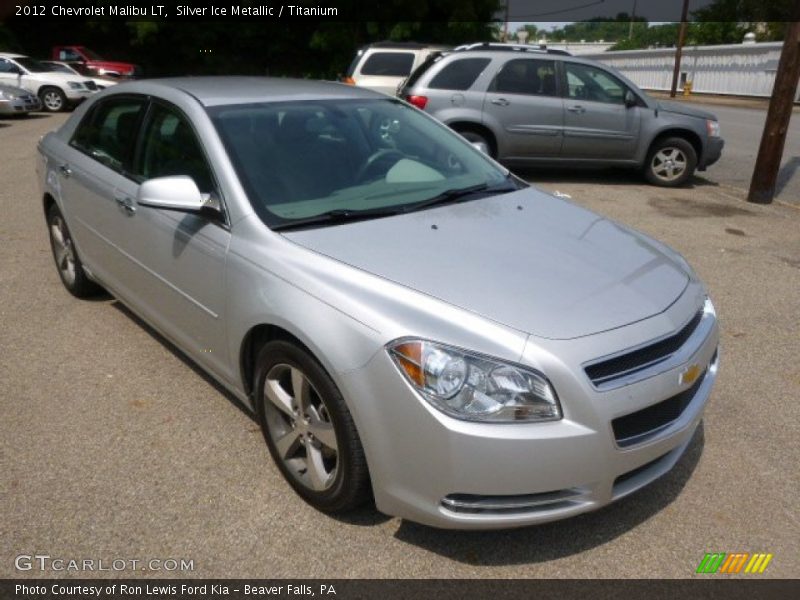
(712, 153)
(75, 97)
(443, 472)
(19, 105)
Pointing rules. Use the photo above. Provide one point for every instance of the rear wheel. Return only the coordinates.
(308, 429)
(53, 99)
(671, 162)
(69, 266)
(479, 140)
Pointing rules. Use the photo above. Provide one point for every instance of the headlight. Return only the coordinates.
(474, 387)
(75, 85)
(712, 127)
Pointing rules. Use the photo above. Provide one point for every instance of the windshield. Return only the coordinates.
(59, 68)
(34, 66)
(299, 160)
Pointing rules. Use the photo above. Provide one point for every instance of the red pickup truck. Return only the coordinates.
(94, 63)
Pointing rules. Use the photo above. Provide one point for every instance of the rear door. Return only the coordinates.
(96, 162)
(597, 123)
(523, 104)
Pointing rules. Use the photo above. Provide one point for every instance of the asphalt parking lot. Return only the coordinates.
(113, 446)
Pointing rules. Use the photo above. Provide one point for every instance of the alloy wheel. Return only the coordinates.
(668, 164)
(63, 250)
(53, 101)
(300, 427)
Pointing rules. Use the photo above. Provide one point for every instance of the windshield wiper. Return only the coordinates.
(459, 194)
(334, 217)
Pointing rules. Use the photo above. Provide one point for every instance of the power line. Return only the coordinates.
(516, 17)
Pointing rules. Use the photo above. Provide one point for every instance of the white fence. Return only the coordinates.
(736, 69)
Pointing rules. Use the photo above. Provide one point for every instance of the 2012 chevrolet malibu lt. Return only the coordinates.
(407, 319)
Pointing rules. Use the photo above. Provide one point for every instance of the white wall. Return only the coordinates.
(738, 69)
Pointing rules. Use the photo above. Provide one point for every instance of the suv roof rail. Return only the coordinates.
(494, 46)
(414, 45)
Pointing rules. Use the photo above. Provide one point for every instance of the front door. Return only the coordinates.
(523, 104)
(179, 256)
(597, 122)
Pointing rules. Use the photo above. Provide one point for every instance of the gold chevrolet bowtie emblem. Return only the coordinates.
(690, 375)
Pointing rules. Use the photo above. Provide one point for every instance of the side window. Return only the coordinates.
(459, 74)
(590, 83)
(68, 55)
(170, 147)
(388, 64)
(108, 132)
(7, 66)
(527, 76)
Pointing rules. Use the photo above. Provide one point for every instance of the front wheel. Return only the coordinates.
(309, 430)
(53, 99)
(670, 162)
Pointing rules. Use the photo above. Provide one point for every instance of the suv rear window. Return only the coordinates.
(459, 74)
(390, 64)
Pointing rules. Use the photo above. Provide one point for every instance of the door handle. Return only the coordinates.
(576, 109)
(125, 204)
(65, 170)
(501, 102)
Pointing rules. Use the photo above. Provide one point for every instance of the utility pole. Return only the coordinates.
(770, 152)
(633, 17)
(679, 48)
(505, 23)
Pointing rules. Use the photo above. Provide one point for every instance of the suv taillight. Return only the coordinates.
(418, 101)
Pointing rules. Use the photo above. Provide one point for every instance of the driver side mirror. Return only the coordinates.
(178, 192)
(630, 99)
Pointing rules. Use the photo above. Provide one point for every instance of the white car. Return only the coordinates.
(63, 67)
(57, 91)
(383, 66)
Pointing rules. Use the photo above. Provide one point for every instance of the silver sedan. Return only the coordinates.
(407, 320)
(17, 101)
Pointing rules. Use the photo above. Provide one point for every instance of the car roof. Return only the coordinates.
(222, 90)
(11, 55)
(405, 45)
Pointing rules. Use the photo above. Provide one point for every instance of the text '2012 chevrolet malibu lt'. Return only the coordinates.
(407, 320)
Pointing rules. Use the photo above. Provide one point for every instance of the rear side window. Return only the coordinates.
(459, 74)
(527, 76)
(388, 64)
(108, 133)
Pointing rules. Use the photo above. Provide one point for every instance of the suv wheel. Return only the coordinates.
(53, 99)
(671, 162)
(308, 429)
(479, 140)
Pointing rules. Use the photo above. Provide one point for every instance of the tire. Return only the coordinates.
(53, 99)
(670, 162)
(65, 255)
(321, 455)
(479, 140)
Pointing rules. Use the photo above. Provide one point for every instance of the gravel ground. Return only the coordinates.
(113, 446)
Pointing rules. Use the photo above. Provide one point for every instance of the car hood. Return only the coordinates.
(526, 259)
(683, 109)
(14, 91)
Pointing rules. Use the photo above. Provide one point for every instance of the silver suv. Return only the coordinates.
(526, 106)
